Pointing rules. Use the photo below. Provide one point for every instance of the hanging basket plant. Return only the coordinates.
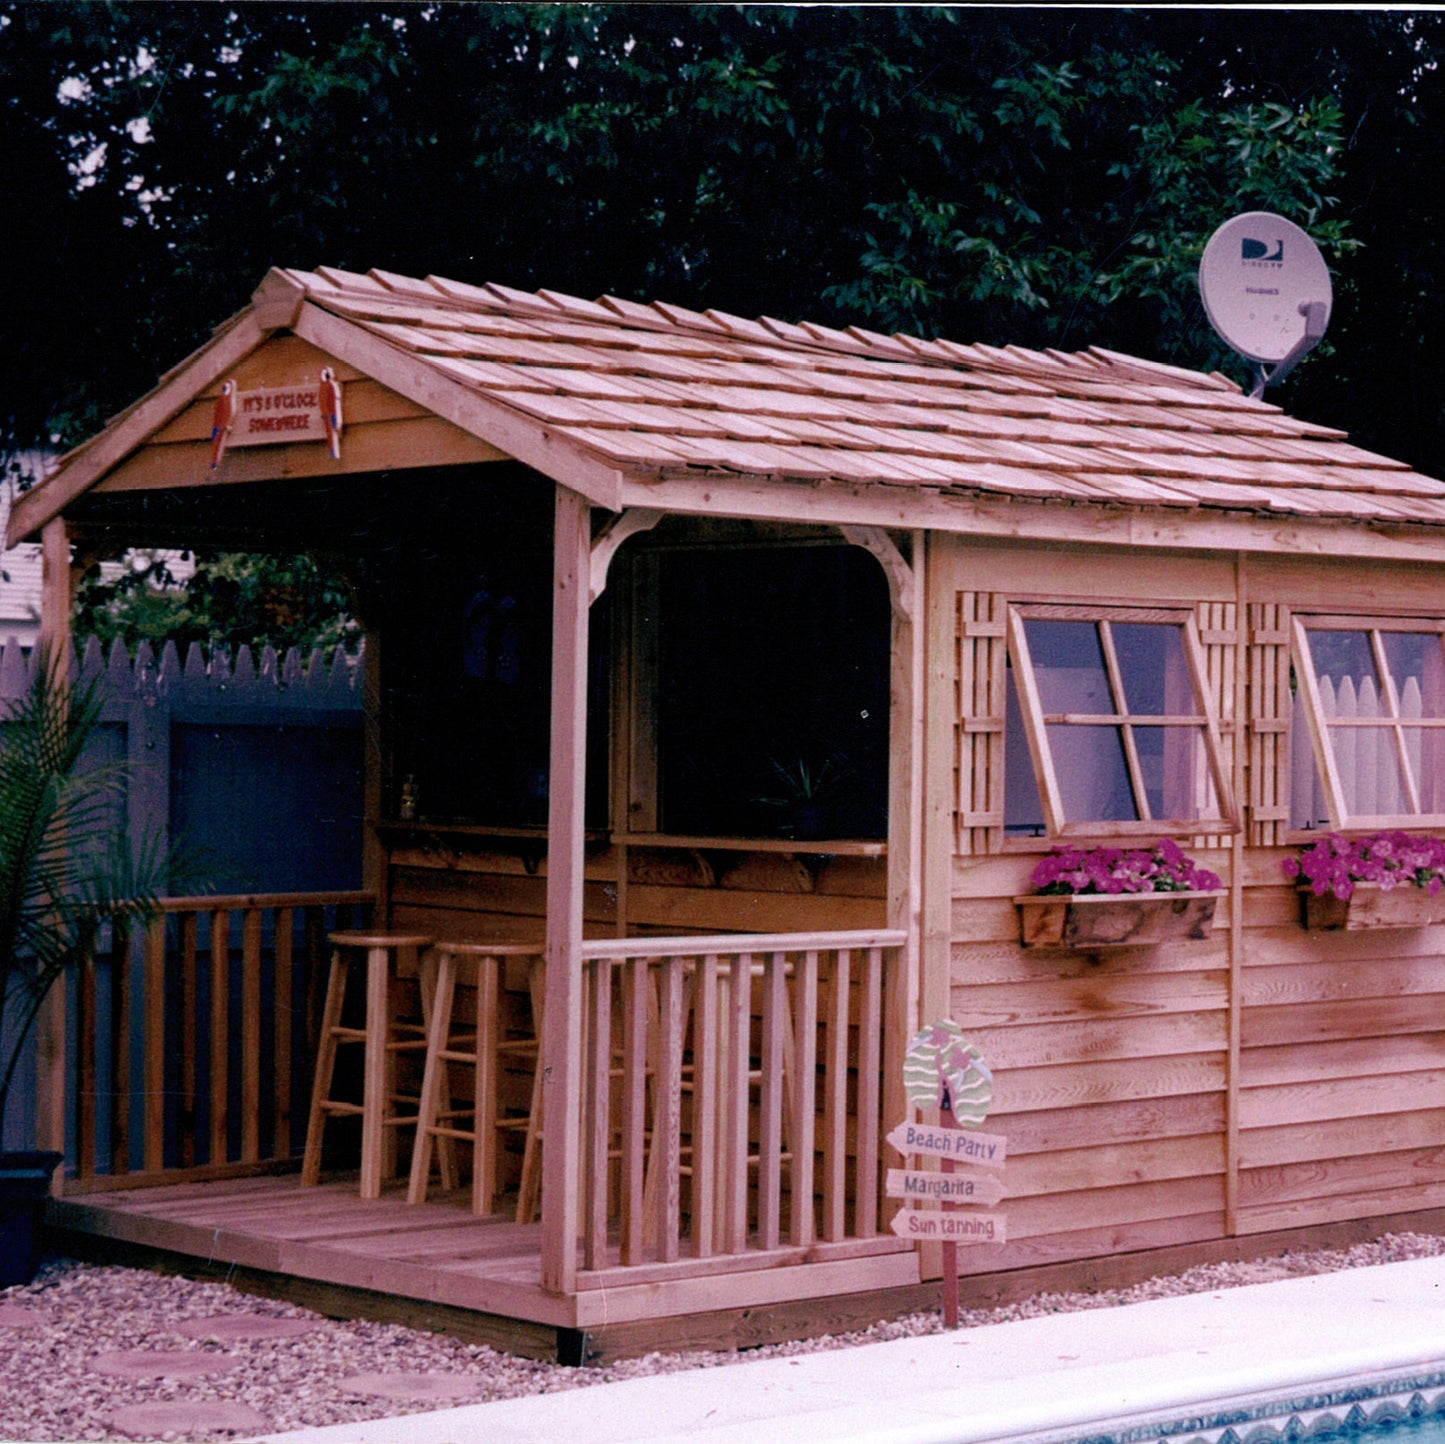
(1092, 899)
(1383, 880)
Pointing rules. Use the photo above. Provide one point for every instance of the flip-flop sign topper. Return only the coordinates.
(942, 1070)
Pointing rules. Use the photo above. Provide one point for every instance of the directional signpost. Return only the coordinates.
(943, 1071)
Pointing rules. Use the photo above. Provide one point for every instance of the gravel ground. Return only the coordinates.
(51, 1356)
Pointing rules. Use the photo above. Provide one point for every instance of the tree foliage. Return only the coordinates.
(1034, 176)
(223, 602)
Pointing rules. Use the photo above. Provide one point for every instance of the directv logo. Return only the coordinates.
(1260, 253)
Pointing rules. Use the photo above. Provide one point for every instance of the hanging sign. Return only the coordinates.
(963, 1145)
(943, 1071)
(919, 1186)
(275, 415)
(927, 1225)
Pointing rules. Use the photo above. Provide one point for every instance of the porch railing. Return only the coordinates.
(190, 1044)
(732, 1098)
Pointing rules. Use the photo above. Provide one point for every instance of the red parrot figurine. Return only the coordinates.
(221, 420)
(331, 410)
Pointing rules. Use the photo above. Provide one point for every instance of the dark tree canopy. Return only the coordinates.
(1045, 177)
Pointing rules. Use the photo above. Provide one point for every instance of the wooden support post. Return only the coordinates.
(905, 831)
(561, 1056)
(57, 596)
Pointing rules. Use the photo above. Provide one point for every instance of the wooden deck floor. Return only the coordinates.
(439, 1266)
(438, 1253)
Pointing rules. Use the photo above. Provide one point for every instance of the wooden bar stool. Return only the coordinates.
(388, 956)
(484, 1049)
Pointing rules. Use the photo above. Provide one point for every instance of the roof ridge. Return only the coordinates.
(804, 336)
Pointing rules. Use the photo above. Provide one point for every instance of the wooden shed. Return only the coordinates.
(703, 649)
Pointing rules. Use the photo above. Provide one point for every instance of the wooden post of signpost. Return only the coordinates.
(943, 1071)
(950, 1246)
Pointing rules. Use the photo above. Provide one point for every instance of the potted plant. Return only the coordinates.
(65, 871)
(802, 789)
(1382, 880)
(1110, 897)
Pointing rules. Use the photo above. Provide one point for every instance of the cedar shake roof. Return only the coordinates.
(659, 393)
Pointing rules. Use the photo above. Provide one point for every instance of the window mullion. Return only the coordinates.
(1391, 697)
(1126, 732)
(1032, 710)
(1319, 727)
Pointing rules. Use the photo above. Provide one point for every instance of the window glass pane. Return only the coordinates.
(1175, 765)
(1344, 657)
(1093, 776)
(1307, 805)
(1023, 812)
(1414, 660)
(1425, 751)
(1069, 667)
(1368, 761)
(1154, 670)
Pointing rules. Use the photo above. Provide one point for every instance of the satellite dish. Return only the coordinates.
(1266, 290)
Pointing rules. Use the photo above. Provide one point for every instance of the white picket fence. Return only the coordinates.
(1367, 758)
(288, 680)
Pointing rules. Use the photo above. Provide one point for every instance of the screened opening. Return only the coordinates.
(1108, 726)
(1368, 733)
(772, 709)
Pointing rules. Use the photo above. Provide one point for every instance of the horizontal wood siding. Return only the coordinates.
(1342, 1064)
(1109, 1078)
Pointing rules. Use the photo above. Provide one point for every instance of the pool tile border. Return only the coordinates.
(1296, 1419)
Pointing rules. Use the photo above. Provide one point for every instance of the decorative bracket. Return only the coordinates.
(632, 521)
(900, 574)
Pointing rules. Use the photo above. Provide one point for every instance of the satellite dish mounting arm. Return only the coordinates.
(1316, 314)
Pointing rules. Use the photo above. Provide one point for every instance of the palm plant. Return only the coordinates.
(66, 868)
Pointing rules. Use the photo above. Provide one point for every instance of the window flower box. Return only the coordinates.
(1091, 921)
(1372, 906)
(1098, 898)
(1384, 880)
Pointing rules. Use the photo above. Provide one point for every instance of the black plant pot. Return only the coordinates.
(24, 1187)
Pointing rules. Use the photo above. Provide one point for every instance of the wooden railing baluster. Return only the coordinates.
(251, 1035)
(705, 1061)
(735, 1100)
(220, 1051)
(120, 1000)
(770, 1101)
(667, 1088)
(597, 1139)
(805, 1096)
(634, 1173)
(154, 1046)
(835, 1102)
(282, 945)
(86, 1059)
(190, 996)
(870, 1074)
